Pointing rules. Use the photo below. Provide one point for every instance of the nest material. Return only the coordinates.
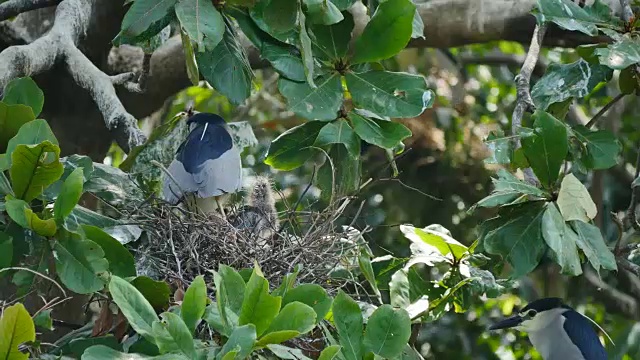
(182, 245)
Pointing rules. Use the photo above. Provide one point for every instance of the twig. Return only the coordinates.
(13, 8)
(633, 203)
(627, 12)
(140, 85)
(36, 273)
(523, 84)
(602, 111)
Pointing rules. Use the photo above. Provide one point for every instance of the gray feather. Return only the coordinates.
(220, 176)
(171, 192)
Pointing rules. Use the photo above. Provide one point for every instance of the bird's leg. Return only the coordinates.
(217, 198)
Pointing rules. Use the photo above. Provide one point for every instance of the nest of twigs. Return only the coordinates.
(182, 244)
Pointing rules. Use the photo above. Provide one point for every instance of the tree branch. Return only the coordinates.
(11, 8)
(58, 46)
(602, 111)
(523, 84)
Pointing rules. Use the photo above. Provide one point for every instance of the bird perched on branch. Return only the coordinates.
(207, 164)
(557, 331)
(259, 216)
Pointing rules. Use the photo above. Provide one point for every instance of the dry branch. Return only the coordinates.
(11, 8)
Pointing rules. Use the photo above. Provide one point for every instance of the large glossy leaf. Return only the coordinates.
(190, 58)
(348, 320)
(331, 42)
(172, 335)
(121, 262)
(157, 293)
(311, 294)
(566, 81)
(227, 68)
(292, 148)
(304, 42)
(278, 18)
(323, 12)
(561, 239)
(20, 212)
(546, 147)
(12, 117)
(234, 287)
(102, 352)
(382, 133)
(24, 91)
(134, 306)
(6, 250)
(399, 289)
(320, 103)
(144, 19)
(391, 94)
(113, 185)
(294, 319)
(69, 195)
(603, 148)
(241, 341)
(343, 177)
(31, 133)
(388, 331)
(570, 16)
(33, 168)
(591, 242)
(194, 303)
(343, 4)
(518, 239)
(339, 132)
(330, 352)
(388, 32)
(16, 328)
(507, 182)
(574, 200)
(443, 242)
(500, 148)
(259, 307)
(621, 54)
(80, 263)
(202, 22)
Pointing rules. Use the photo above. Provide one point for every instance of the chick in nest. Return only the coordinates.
(258, 217)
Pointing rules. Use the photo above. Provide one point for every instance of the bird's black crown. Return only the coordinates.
(544, 305)
(206, 118)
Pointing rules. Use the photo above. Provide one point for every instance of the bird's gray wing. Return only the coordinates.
(220, 176)
(171, 192)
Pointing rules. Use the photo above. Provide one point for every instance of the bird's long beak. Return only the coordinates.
(507, 323)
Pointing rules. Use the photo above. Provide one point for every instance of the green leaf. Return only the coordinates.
(444, 243)
(5, 185)
(392, 94)
(518, 238)
(43, 320)
(507, 182)
(364, 263)
(202, 22)
(603, 147)
(144, 19)
(194, 303)
(310, 294)
(388, 331)
(294, 319)
(331, 42)
(562, 240)
(323, 12)
(292, 148)
(24, 91)
(330, 352)
(16, 328)
(500, 148)
(287, 283)
(388, 32)
(234, 288)
(417, 26)
(570, 16)
(348, 320)
(320, 103)
(305, 47)
(80, 263)
(33, 168)
(285, 59)
(343, 4)
(279, 16)
(565, 81)
(621, 54)
(242, 340)
(287, 353)
(157, 293)
(6, 250)
(341, 179)
(574, 200)
(134, 306)
(20, 212)
(171, 334)
(69, 195)
(78, 346)
(546, 148)
(259, 307)
(190, 59)
(121, 262)
(102, 352)
(382, 133)
(628, 80)
(227, 68)
(399, 290)
(12, 118)
(497, 199)
(591, 242)
(339, 132)
(31, 133)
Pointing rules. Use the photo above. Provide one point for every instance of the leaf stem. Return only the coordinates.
(602, 111)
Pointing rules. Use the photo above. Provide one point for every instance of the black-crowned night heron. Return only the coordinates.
(258, 217)
(556, 331)
(207, 163)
